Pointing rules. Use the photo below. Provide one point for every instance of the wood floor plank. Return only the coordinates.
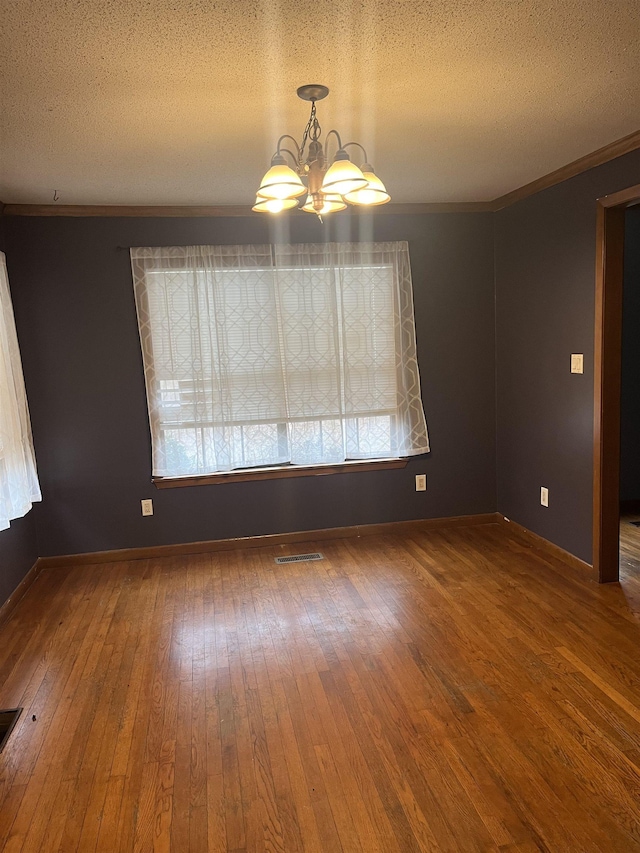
(447, 690)
(325, 820)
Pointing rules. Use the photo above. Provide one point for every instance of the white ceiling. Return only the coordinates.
(181, 101)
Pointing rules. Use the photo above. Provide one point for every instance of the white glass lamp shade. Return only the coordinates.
(343, 176)
(331, 202)
(374, 193)
(273, 205)
(281, 182)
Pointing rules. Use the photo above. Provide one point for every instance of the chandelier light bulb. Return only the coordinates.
(331, 202)
(374, 193)
(273, 205)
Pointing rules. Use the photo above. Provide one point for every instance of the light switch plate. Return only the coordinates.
(544, 496)
(421, 482)
(577, 362)
(147, 507)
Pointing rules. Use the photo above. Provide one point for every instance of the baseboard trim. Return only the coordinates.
(533, 539)
(211, 545)
(19, 592)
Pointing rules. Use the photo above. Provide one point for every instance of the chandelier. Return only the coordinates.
(327, 187)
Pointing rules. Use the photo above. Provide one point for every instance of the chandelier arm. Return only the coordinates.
(361, 147)
(290, 153)
(337, 135)
(286, 136)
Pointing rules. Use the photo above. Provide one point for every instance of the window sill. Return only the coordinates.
(277, 473)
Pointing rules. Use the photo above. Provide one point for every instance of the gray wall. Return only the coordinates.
(544, 266)
(18, 547)
(75, 311)
(75, 314)
(630, 392)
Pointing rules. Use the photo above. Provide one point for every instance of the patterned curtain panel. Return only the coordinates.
(18, 478)
(272, 355)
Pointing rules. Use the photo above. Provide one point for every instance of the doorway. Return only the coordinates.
(610, 230)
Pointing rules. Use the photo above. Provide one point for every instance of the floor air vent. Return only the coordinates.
(299, 558)
(8, 719)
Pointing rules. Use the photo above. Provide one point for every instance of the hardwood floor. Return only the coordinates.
(630, 546)
(443, 691)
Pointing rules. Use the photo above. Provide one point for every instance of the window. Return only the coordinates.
(259, 356)
(18, 478)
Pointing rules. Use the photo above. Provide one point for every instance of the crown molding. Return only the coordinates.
(436, 207)
(125, 210)
(225, 210)
(582, 164)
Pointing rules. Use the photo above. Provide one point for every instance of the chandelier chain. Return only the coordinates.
(312, 129)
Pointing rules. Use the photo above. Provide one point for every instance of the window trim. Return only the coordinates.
(278, 473)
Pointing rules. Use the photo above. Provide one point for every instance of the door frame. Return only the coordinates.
(607, 380)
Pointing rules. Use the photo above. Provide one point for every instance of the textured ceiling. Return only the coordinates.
(181, 101)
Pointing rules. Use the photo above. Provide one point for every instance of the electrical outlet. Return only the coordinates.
(544, 496)
(577, 362)
(147, 507)
(421, 482)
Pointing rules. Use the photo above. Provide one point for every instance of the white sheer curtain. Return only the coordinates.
(18, 478)
(271, 355)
